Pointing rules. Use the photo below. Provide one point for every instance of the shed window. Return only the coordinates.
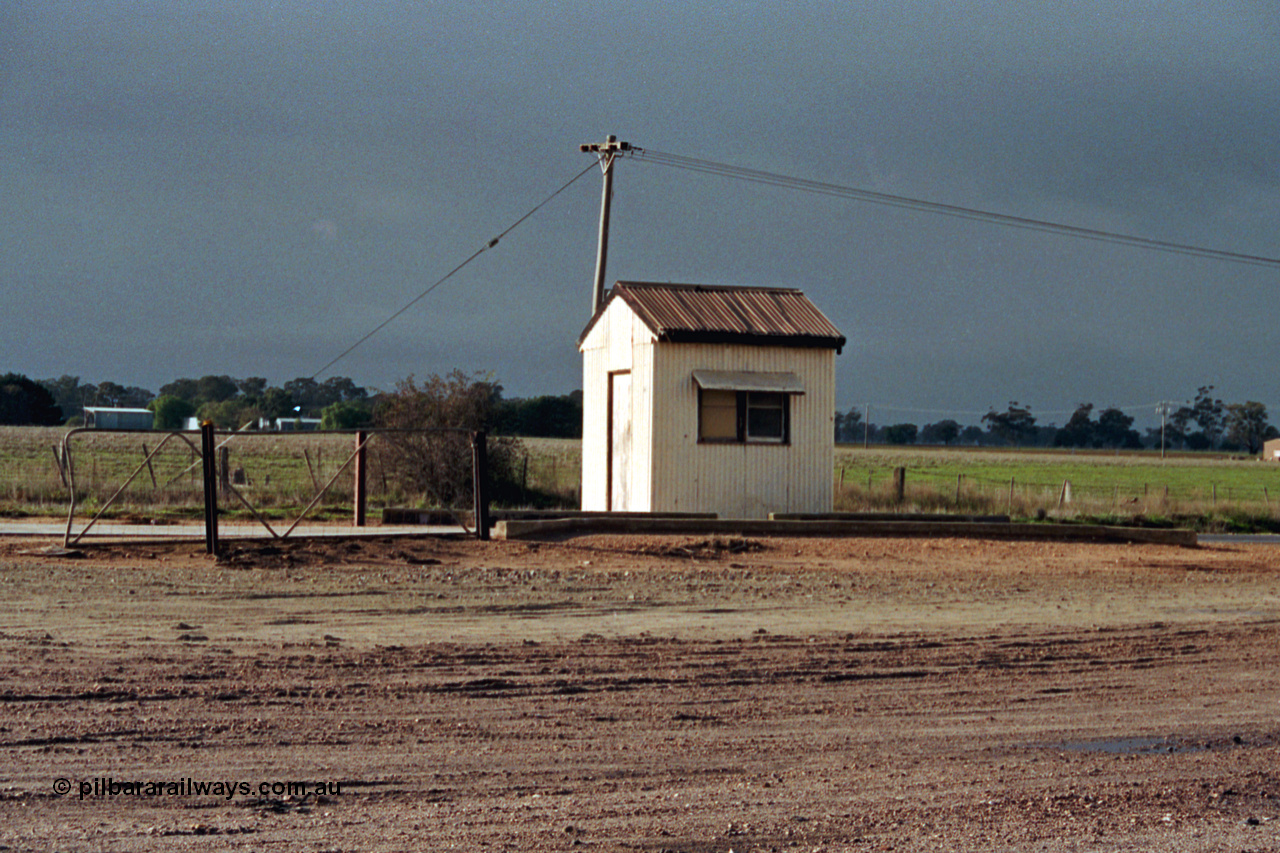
(743, 416)
(742, 406)
(766, 417)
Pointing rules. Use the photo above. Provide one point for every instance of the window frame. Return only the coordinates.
(779, 402)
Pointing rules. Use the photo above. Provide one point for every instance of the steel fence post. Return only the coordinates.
(208, 455)
(360, 478)
(480, 483)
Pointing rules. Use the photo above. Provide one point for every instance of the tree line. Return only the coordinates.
(227, 401)
(232, 402)
(1204, 423)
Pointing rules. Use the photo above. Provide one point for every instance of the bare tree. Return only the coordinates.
(434, 458)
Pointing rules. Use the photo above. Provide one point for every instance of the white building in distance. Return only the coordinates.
(104, 417)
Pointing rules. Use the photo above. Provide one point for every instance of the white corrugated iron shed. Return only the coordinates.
(705, 398)
(105, 417)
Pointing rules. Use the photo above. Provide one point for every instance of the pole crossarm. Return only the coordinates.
(606, 152)
(608, 149)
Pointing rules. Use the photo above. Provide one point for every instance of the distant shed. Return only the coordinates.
(1271, 450)
(101, 417)
(703, 398)
(287, 423)
(297, 424)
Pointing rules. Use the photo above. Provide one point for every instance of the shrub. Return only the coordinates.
(229, 414)
(900, 434)
(345, 414)
(170, 411)
(434, 459)
(24, 402)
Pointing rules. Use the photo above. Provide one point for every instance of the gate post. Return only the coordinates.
(208, 454)
(360, 477)
(480, 483)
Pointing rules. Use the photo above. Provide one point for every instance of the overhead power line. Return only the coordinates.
(477, 253)
(710, 167)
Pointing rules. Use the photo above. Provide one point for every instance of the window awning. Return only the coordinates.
(744, 380)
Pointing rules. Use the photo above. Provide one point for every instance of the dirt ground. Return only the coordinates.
(624, 693)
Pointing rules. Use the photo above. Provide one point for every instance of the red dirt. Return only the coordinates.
(616, 693)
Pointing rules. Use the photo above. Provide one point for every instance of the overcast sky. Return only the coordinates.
(249, 187)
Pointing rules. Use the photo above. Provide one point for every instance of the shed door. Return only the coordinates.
(619, 442)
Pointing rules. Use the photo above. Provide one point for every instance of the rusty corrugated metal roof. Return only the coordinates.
(703, 313)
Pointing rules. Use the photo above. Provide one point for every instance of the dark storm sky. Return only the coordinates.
(248, 187)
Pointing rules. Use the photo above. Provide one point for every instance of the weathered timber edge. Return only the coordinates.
(554, 528)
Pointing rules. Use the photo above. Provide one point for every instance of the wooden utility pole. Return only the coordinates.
(606, 153)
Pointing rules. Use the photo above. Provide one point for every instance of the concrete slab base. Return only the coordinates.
(567, 527)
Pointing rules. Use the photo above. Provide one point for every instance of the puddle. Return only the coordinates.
(1128, 746)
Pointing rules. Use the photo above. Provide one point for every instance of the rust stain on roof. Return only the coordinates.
(702, 313)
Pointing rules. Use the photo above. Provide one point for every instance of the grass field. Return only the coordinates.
(280, 473)
(1205, 491)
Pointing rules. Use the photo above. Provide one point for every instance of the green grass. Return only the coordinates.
(1209, 491)
(277, 473)
(280, 472)
(1186, 476)
(551, 472)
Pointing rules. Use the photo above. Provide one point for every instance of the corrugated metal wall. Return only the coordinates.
(735, 480)
(595, 421)
(642, 422)
(103, 418)
(668, 470)
(618, 342)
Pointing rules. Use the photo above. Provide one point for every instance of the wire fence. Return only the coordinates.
(280, 470)
(273, 480)
(1028, 495)
(280, 474)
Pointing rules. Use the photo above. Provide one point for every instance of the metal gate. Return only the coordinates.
(205, 459)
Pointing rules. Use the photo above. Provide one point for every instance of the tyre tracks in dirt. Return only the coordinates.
(1080, 732)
